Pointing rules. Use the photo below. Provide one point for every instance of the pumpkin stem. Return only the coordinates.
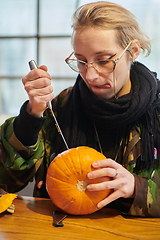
(81, 186)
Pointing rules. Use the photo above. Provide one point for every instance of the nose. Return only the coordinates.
(91, 73)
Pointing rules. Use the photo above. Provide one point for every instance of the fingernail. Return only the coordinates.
(94, 164)
(89, 175)
(99, 205)
(89, 187)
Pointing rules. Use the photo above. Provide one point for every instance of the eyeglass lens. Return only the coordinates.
(100, 66)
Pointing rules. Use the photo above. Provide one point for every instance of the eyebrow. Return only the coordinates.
(98, 53)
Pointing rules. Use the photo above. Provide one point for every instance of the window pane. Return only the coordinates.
(18, 17)
(53, 53)
(81, 2)
(61, 84)
(55, 16)
(12, 96)
(15, 54)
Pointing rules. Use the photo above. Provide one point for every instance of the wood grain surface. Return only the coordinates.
(33, 219)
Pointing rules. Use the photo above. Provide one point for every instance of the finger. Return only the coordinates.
(40, 92)
(108, 162)
(107, 171)
(112, 197)
(38, 84)
(97, 180)
(35, 74)
(111, 184)
(43, 67)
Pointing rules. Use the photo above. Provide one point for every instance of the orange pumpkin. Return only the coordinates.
(6, 201)
(67, 180)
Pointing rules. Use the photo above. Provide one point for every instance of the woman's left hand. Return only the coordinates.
(121, 180)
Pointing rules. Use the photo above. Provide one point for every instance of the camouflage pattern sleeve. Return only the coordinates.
(146, 202)
(18, 164)
(147, 194)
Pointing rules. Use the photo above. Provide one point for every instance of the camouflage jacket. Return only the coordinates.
(19, 164)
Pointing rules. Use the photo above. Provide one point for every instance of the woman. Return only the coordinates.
(113, 107)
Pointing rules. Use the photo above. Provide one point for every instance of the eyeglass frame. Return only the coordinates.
(86, 64)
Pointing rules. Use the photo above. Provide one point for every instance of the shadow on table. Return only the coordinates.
(42, 206)
(46, 207)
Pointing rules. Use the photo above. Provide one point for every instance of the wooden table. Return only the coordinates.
(33, 219)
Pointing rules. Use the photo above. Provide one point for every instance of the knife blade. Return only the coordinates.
(33, 65)
(58, 217)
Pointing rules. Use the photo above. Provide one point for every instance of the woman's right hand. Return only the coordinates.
(37, 84)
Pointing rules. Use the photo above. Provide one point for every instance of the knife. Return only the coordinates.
(33, 65)
(58, 217)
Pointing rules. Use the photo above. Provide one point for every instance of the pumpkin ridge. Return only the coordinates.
(66, 201)
(91, 205)
(76, 206)
(81, 164)
(62, 172)
(82, 201)
(67, 206)
(70, 161)
(94, 200)
(88, 161)
(88, 195)
(56, 179)
(65, 189)
(75, 168)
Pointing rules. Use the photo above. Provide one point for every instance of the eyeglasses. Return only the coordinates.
(103, 66)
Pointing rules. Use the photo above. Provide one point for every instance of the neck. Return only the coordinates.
(125, 89)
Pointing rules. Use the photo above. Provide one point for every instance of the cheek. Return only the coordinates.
(122, 73)
(120, 79)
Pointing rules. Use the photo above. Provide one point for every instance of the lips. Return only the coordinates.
(104, 86)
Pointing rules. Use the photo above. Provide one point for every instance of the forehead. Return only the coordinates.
(94, 39)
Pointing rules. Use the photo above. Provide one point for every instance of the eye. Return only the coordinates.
(103, 62)
(81, 63)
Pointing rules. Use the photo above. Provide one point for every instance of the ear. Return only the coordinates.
(135, 49)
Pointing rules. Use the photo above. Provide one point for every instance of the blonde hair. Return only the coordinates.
(108, 15)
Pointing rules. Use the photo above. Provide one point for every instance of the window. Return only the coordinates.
(41, 30)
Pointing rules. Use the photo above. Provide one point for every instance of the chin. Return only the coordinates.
(103, 93)
(104, 96)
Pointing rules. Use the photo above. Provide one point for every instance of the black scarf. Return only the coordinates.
(141, 106)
